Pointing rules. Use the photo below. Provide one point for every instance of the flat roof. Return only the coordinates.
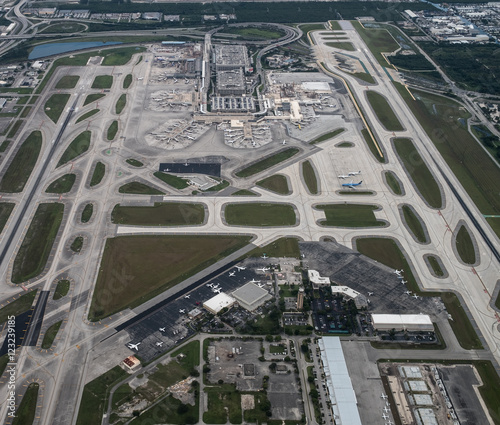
(220, 301)
(401, 319)
(343, 398)
(250, 293)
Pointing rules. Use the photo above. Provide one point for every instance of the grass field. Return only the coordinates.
(112, 130)
(62, 289)
(67, 82)
(244, 192)
(25, 112)
(345, 145)
(25, 413)
(436, 268)
(282, 247)
(50, 335)
(378, 41)
(161, 214)
(371, 145)
(13, 130)
(268, 162)
(102, 82)
(167, 411)
(350, 215)
(77, 244)
(93, 98)
(343, 45)
(387, 252)
(218, 187)
(310, 178)
(78, 146)
(465, 246)
(19, 171)
(383, 110)
(475, 170)
(37, 244)
(363, 76)
(137, 268)
(87, 212)
(224, 404)
(120, 103)
(64, 28)
(98, 174)
(418, 171)
(259, 214)
(254, 33)
(134, 162)
(4, 145)
(86, 115)
(17, 306)
(5, 211)
(127, 81)
(277, 183)
(95, 395)
(327, 136)
(171, 180)
(393, 182)
(310, 27)
(54, 107)
(119, 57)
(138, 188)
(62, 185)
(414, 223)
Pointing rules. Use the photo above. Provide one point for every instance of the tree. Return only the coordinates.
(272, 367)
(182, 409)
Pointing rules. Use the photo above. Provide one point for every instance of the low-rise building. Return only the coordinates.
(402, 322)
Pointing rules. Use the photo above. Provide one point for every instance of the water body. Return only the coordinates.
(57, 48)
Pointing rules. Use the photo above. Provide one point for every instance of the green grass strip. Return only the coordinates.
(54, 107)
(267, 162)
(50, 335)
(77, 147)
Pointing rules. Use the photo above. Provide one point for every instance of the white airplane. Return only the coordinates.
(254, 281)
(354, 173)
(260, 285)
(264, 269)
(284, 142)
(263, 256)
(159, 344)
(389, 423)
(342, 176)
(408, 292)
(134, 346)
(162, 329)
(415, 296)
(190, 138)
(217, 290)
(370, 294)
(187, 296)
(231, 274)
(210, 285)
(384, 397)
(240, 268)
(398, 272)
(385, 416)
(386, 409)
(403, 281)
(182, 311)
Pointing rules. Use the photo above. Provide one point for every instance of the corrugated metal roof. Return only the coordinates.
(344, 403)
(402, 319)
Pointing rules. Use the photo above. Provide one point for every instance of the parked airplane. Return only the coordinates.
(182, 311)
(231, 274)
(384, 397)
(217, 290)
(354, 173)
(210, 285)
(403, 281)
(342, 176)
(187, 296)
(370, 294)
(385, 416)
(240, 268)
(159, 344)
(284, 142)
(260, 285)
(162, 329)
(415, 296)
(134, 346)
(264, 269)
(386, 409)
(398, 272)
(389, 423)
(408, 292)
(263, 256)
(351, 184)
(254, 281)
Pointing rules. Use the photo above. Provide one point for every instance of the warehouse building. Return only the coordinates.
(402, 322)
(215, 304)
(251, 296)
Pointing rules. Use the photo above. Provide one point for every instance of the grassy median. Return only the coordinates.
(277, 183)
(161, 214)
(350, 215)
(77, 147)
(259, 214)
(54, 107)
(268, 162)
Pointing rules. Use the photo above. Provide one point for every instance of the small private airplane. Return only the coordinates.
(284, 142)
(254, 281)
(351, 184)
(343, 176)
(182, 311)
(264, 269)
(370, 294)
(260, 285)
(398, 272)
(354, 173)
(263, 256)
(386, 409)
(240, 268)
(385, 416)
(134, 346)
(159, 344)
(384, 397)
(408, 292)
(231, 274)
(162, 329)
(403, 281)
(217, 290)
(187, 296)
(415, 296)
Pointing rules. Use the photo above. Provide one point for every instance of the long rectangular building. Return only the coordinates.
(402, 322)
